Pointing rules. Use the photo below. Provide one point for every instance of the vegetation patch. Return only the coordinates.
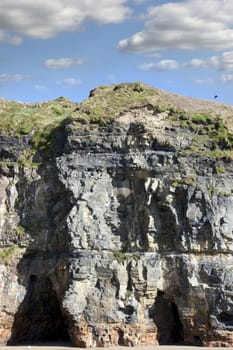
(220, 169)
(211, 190)
(186, 180)
(201, 118)
(225, 194)
(38, 120)
(211, 136)
(20, 230)
(122, 257)
(26, 158)
(6, 254)
(106, 103)
(223, 155)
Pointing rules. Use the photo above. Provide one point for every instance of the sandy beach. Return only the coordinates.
(68, 347)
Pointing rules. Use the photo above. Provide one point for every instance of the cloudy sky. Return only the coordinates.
(52, 48)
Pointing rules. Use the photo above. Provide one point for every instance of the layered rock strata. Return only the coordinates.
(120, 235)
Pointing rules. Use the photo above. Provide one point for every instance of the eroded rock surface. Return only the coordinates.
(122, 236)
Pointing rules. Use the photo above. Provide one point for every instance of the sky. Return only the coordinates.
(53, 48)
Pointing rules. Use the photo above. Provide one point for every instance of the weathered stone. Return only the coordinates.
(105, 335)
(121, 237)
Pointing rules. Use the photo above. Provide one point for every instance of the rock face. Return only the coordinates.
(122, 233)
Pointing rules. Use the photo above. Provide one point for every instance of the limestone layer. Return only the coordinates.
(122, 235)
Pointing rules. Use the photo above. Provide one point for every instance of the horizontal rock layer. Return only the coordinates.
(119, 237)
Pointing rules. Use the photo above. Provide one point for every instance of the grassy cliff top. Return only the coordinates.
(18, 118)
(104, 104)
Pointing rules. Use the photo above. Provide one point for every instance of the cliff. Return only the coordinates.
(116, 220)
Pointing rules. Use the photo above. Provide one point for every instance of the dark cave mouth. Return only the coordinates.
(166, 317)
(39, 318)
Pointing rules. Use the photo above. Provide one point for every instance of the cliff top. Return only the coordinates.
(107, 100)
(105, 103)
(19, 118)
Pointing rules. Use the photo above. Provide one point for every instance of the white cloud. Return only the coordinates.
(223, 62)
(197, 63)
(227, 78)
(5, 78)
(45, 19)
(162, 65)
(139, 1)
(61, 63)
(69, 82)
(185, 25)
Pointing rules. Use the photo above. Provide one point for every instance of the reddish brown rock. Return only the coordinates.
(106, 335)
(6, 322)
(219, 338)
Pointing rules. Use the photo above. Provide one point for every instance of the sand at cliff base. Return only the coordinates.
(69, 347)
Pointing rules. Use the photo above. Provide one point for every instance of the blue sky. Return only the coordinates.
(52, 48)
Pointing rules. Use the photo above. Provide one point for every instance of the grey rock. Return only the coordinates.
(120, 228)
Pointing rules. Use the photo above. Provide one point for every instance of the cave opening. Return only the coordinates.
(226, 318)
(39, 318)
(166, 317)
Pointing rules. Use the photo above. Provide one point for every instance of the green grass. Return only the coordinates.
(39, 121)
(122, 257)
(201, 118)
(108, 102)
(218, 154)
(220, 169)
(6, 254)
(7, 163)
(26, 158)
(211, 190)
(186, 180)
(224, 194)
(20, 119)
(209, 133)
(20, 230)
